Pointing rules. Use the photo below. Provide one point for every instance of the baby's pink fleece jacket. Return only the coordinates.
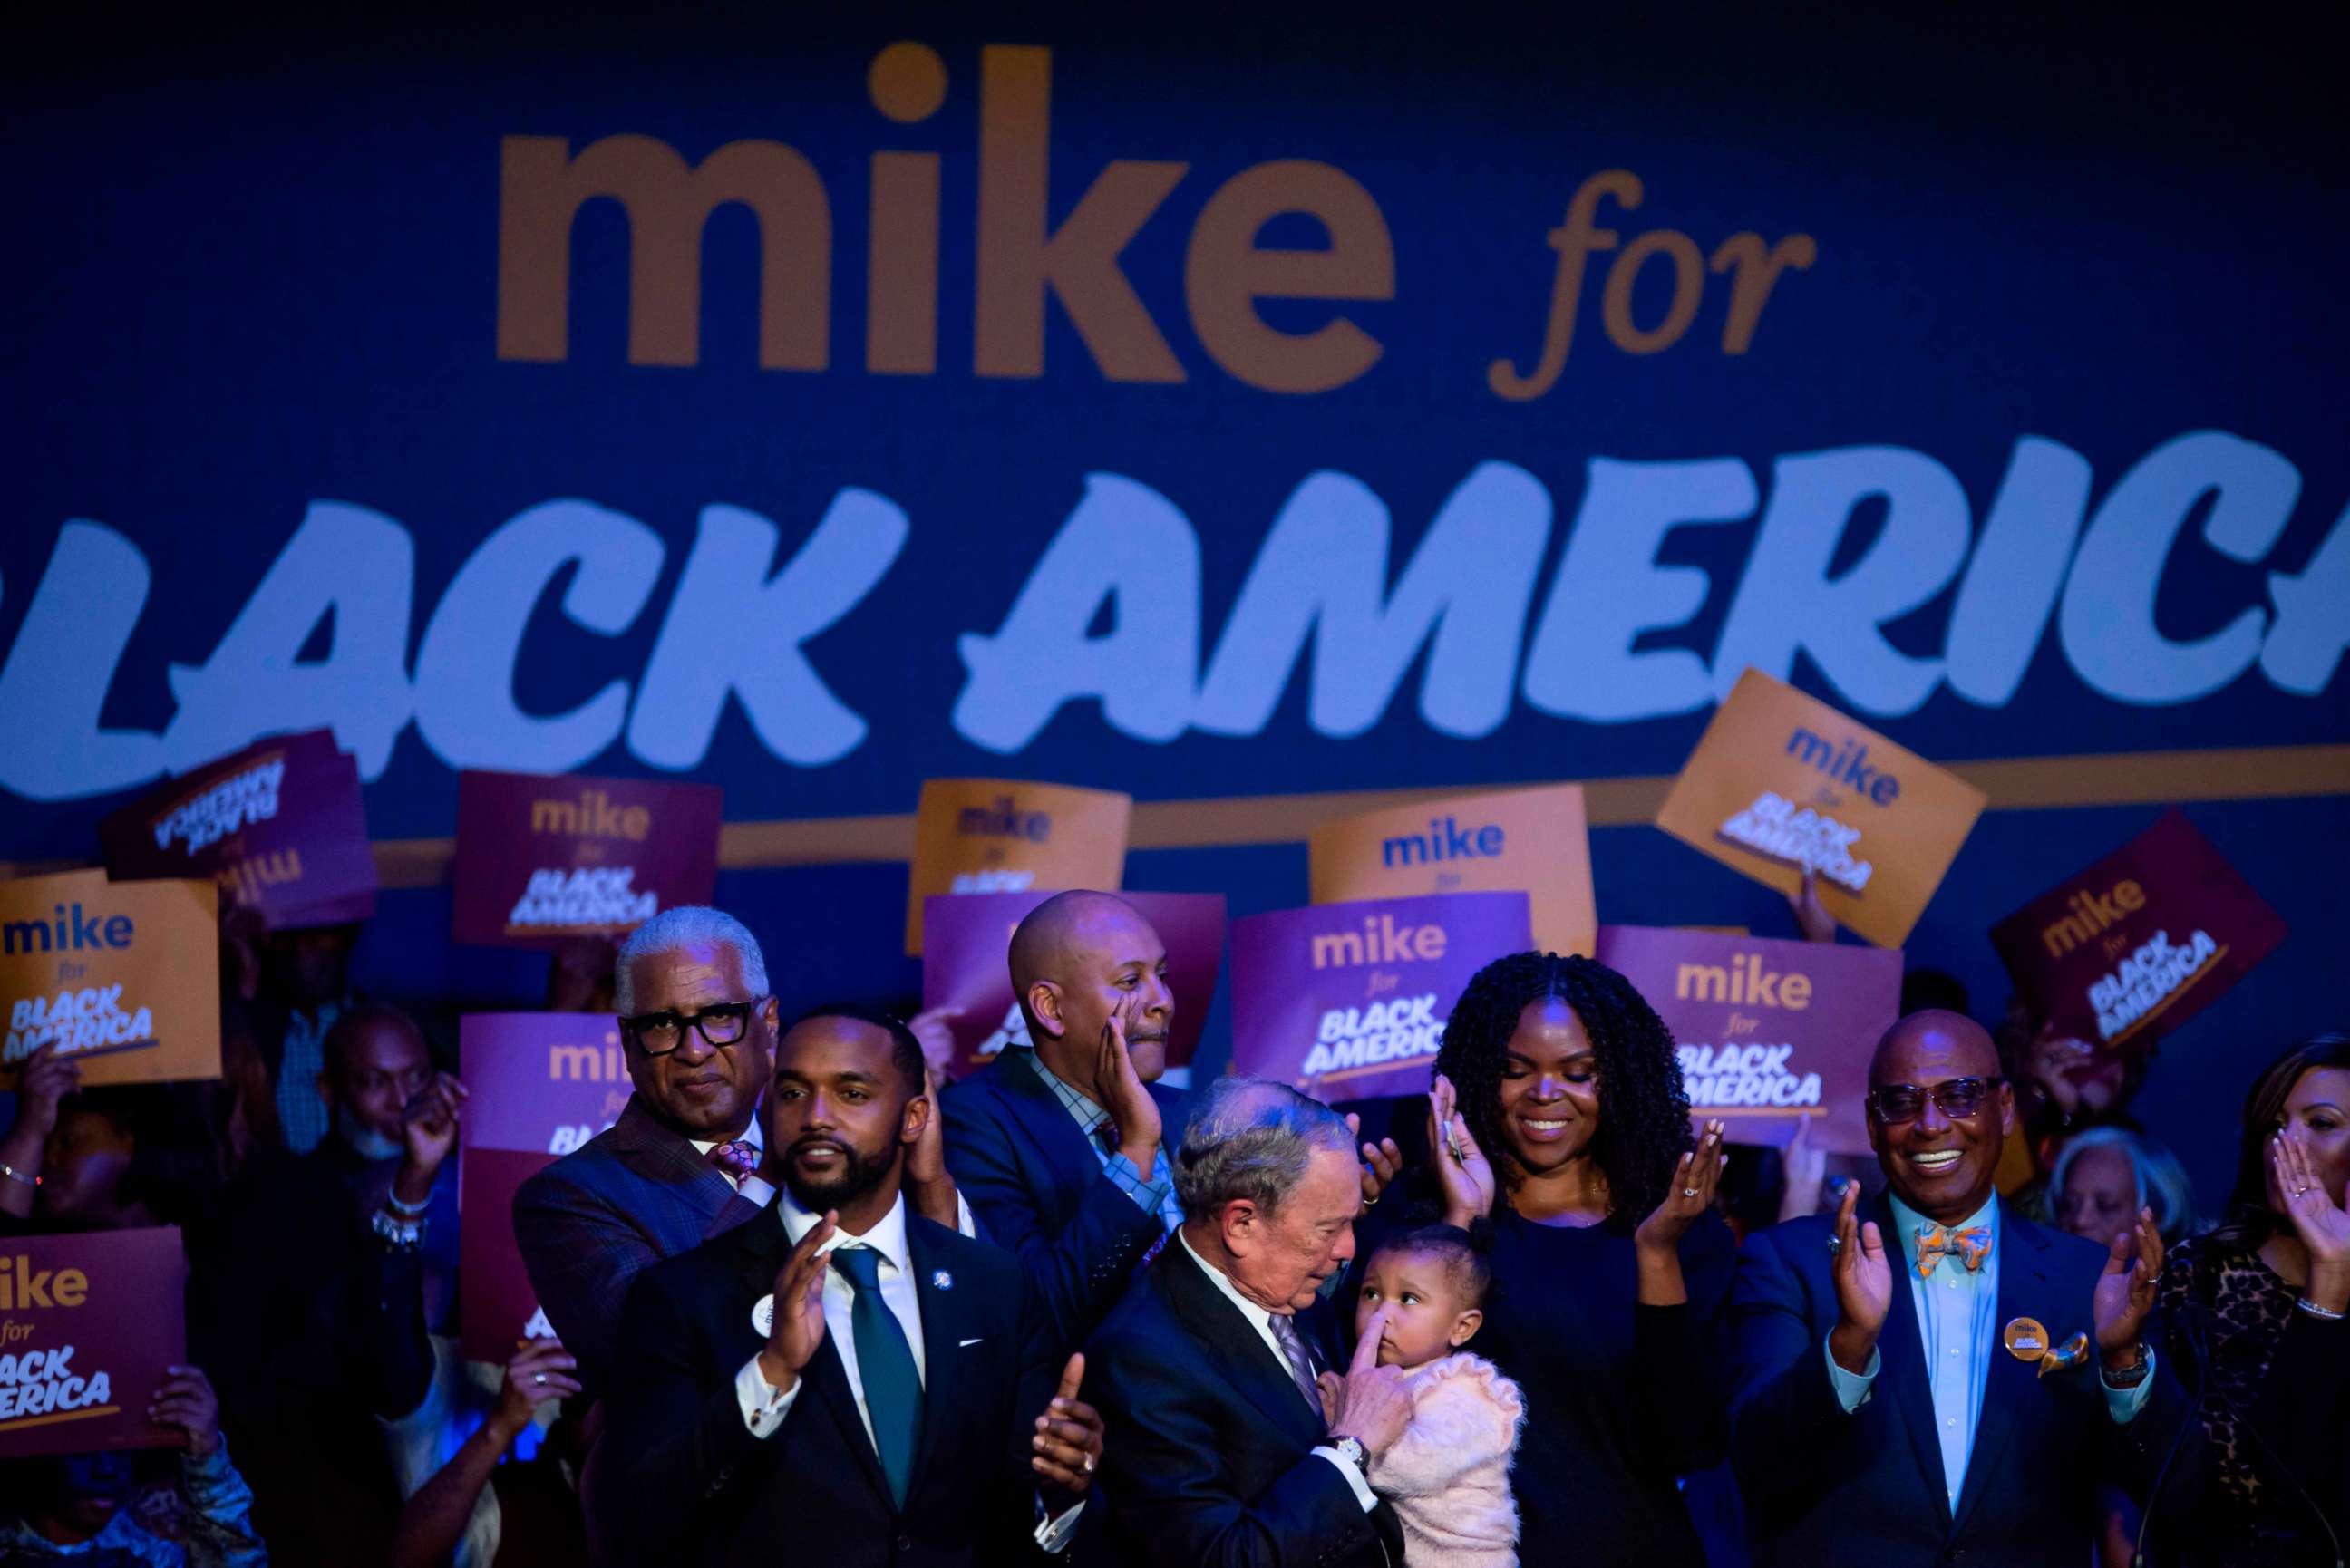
(1449, 1474)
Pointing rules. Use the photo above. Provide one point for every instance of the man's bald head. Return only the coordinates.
(1078, 958)
(1940, 1160)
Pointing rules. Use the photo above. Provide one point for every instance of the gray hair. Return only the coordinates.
(686, 926)
(2162, 1184)
(1250, 1138)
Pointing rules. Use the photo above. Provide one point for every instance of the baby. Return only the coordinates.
(1449, 1474)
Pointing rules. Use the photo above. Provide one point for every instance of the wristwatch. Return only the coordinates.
(1353, 1449)
(2133, 1375)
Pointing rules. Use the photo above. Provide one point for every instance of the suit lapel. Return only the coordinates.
(944, 1316)
(2023, 1288)
(663, 1157)
(1903, 1372)
(1235, 1344)
(1045, 1121)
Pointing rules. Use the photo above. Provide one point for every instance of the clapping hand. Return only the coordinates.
(1381, 1161)
(2317, 1218)
(1690, 1195)
(798, 1328)
(1806, 1166)
(2125, 1292)
(1461, 1168)
(1068, 1441)
(1864, 1285)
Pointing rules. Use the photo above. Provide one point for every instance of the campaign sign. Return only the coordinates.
(541, 859)
(1529, 841)
(1349, 1001)
(994, 835)
(280, 826)
(1780, 783)
(2141, 941)
(542, 1083)
(88, 1323)
(124, 977)
(1770, 1033)
(966, 939)
(495, 1302)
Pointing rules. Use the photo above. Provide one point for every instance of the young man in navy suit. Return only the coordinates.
(1932, 1378)
(842, 1380)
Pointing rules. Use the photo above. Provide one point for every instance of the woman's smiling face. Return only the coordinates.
(1550, 1086)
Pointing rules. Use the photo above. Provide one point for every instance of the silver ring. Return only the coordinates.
(1090, 1464)
(1836, 1245)
(1688, 1192)
(538, 1379)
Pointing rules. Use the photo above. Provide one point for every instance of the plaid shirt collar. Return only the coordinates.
(1089, 1116)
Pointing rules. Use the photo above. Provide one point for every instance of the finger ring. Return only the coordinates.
(1374, 1198)
(1836, 1245)
(538, 1379)
(1688, 1192)
(1090, 1464)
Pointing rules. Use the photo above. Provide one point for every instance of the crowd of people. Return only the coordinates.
(806, 1303)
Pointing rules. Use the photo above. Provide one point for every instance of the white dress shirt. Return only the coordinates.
(1261, 1319)
(764, 1407)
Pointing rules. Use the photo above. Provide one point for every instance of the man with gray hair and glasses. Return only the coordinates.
(1233, 1438)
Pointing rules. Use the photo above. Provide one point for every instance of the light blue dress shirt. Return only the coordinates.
(1958, 1319)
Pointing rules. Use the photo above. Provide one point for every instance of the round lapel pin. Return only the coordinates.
(942, 1281)
(762, 1316)
(2026, 1340)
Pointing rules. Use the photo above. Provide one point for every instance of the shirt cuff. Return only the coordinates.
(1053, 1534)
(1361, 1488)
(1149, 1194)
(756, 1190)
(764, 1409)
(2124, 1403)
(1852, 1388)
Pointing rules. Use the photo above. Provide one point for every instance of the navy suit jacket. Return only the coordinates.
(1822, 1487)
(589, 1223)
(1207, 1458)
(1039, 1190)
(812, 1492)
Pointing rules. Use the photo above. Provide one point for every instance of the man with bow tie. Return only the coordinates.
(1931, 1378)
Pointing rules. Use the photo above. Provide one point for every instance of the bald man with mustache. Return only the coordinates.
(1057, 1143)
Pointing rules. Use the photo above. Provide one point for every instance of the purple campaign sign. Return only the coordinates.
(1349, 1001)
(280, 826)
(495, 1301)
(540, 1083)
(1770, 1033)
(545, 860)
(88, 1323)
(964, 939)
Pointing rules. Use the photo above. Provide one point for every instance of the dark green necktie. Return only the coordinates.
(885, 1365)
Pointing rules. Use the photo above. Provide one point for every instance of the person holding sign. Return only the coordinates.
(2263, 1304)
(1060, 1146)
(1934, 1377)
(845, 1380)
(1559, 1112)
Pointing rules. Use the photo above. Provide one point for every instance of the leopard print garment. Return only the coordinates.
(2250, 1307)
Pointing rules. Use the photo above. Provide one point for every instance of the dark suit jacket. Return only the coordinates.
(812, 1492)
(1822, 1487)
(589, 1223)
(1039, 1190)
(1208, 1458)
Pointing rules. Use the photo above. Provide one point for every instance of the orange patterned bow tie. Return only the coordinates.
(1935, 1242)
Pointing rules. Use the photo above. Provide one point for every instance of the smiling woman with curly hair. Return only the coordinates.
(1559, 1111)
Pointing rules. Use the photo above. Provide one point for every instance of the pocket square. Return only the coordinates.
(961, 1344)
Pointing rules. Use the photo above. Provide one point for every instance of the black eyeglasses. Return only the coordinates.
(721, 1024)
(1897, 1103)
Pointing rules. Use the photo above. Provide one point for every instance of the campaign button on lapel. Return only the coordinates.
(2026, 1339)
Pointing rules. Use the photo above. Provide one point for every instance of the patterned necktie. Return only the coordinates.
(1935, 1242)
(885, 1365)
(1300, 1359)
(735, 1159)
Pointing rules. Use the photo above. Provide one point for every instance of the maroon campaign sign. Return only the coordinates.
(280, 826)
(542, 1083)
(495, 1301)
(1357, 994)
(87, 1324)
(964, 942)
(2140, 942)
(544, 860)
(1770, 1033)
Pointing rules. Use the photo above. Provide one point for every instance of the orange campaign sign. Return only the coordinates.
(998, 836)
(123, 977)
(1529, 841)
(1781, 782)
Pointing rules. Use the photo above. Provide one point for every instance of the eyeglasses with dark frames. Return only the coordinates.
(1895, 1104)
(720, 1024)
